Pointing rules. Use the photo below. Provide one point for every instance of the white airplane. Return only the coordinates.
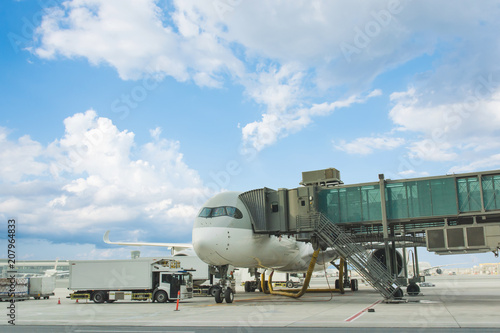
(223, 236)
(426, 269)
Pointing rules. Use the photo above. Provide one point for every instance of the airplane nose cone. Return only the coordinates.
(207, 245)
(203, 244)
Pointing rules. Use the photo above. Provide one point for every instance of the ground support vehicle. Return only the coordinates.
(159, 280)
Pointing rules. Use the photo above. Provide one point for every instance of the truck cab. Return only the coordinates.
(172, 284)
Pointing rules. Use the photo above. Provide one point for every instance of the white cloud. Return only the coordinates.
(367, 145)
(21, 158)
(491, 162)
(430, 150)
(413, 173)
(280, 121)
(463, 129)
(287, 54)
(100, 179)
(130, 36)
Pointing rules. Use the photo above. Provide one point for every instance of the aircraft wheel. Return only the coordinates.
(99, 297)
(354, 285)
(218, 296)
(161, 296)
(213, 290)
(413, 289)
(229, 295)
(289, 284)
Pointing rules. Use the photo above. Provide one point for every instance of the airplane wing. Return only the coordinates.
(174, 246)
(438, 268)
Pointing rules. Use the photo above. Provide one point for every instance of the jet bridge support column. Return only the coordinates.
(385, 228)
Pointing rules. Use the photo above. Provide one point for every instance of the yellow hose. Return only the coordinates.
(306, 281)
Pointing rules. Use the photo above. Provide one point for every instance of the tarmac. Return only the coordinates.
(461, 301)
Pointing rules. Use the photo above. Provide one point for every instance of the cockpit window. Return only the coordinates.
(205, 212)
(234, 212)
(221, 211)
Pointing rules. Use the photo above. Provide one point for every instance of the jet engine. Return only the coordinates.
(380, 256)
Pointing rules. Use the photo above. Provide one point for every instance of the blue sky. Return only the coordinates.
(127, 115)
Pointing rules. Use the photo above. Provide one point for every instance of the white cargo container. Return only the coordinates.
(134, 279)
(41, 286)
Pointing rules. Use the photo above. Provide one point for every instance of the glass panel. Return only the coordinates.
(491, 192)
(354, 213)
(443, 197)
(219, 211)
(205, 212)
(234, 212)
(397, 204)
(469, 197)
(351, 204)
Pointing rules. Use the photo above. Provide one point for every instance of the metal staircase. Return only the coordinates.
(370, 269)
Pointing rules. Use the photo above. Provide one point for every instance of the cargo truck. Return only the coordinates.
(108, 281)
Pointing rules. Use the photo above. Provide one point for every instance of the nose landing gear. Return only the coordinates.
(224, 290)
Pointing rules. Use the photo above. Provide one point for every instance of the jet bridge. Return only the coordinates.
(448, 214)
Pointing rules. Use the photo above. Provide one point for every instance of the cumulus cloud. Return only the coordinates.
(297, 71)
(95, 177)
(20, 158)
(448, 129)
(367, 145)
(131, 36)
(490, 162)
(279, 122)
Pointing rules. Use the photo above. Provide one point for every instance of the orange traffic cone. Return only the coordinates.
(178, 297)
(59, 301)
(77, 300)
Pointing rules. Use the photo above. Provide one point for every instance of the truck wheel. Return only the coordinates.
(99, 297)
(337, 284)
(247, 286)
(161, 296)
(290, 284)
(218, 296)
(229, 295)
